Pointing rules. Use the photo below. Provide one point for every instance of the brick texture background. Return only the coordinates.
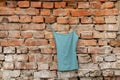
(28, 49)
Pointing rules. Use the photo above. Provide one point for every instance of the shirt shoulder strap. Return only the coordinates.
(51, 28)
(75, 26)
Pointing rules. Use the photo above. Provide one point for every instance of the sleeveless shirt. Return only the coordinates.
(66, 50)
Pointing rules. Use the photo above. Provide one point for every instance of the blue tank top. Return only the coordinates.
(66, 50)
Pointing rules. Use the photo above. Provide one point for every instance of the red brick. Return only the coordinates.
(9, 50)
(27, 11)
(98, 12)
(38, 34)
(20, 65)
(97, 35)
(71, 5)
(25, 19)
(115, 43)
(36, 42)
(44, 58)
(30, 42)
(116, 50)
(11, 4)
(109, 78)
(110, 27)
(4, 20)
(55, 59)
(83, 5)
(60, 27)
(108, 5)
(45, 12)
(37, 19)
(87, 42)
(23, 4)
(102, 0)
(3, 34)
(31, 65)
(36, 4)
(53, 66)
(34, 49)
(69, 0)
(52, 42)
(7, 11)
(0, 50)
(104, 35)
(95, 50)
(8, 65)
(14, 34)
(87, 35)
(23, 65)
(21, 58)
(77, 13)
(60, 4)
(25, 34)
(73, 20)
(99, 50)
(32, 58)
(21, 49)
(8, 58)
(48, 4)
(96, 58)
(62, 20)
(110, 19)
(2, 57)
(1, 18)
(81, 0)
(42, 42)
(10, 26)
(46, 74)
(54, 51)
(117, 78)
(43, 66)
(98, 20)
(102, 42)
(13, 18)
(2, 3)
(106, 12)
(33, 27)
(48, 35)
(81, 49)
(50, 19)
(46, 50)
(12, 42)
(95, 4)
(60, 12)
(81, 28)
(86, 20)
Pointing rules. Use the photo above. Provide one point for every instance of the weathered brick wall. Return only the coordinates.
(27, 44)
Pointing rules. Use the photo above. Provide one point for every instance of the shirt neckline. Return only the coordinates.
(64, 33)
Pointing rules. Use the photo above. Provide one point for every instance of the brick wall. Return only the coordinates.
(27, 44)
